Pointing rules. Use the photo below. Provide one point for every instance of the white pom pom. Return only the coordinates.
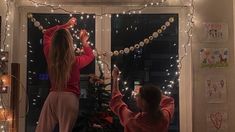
(36, 24)
(155, 34)
(121, 52)
(137, 46)
(159, 30)
(115, 53)
(132, 48)
(146, 41)
(40, 27)
(171, 19)
(33, 19)
(163, 27)
(30, 15)
(126, 50)
(167, 23)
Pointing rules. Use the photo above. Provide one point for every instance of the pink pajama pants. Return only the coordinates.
(59, 107)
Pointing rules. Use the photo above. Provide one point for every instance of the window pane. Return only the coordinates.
(37, 77)
(155, 62)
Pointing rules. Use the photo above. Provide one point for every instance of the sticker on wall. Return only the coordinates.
(215, 32)
(216, 89)
(217, 121)
(214, 57)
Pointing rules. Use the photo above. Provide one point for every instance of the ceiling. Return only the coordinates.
(89, 1)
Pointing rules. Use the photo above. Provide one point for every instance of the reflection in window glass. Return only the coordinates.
(37, 77)
(155, 62)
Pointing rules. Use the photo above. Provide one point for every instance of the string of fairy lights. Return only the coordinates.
(126, 50)
(4, 79)
(170, 83)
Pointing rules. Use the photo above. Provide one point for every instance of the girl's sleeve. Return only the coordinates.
(120, 108)
(48, 34)
(86, 58)
(167, 107)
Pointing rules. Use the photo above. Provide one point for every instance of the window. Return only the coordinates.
(38, 83)
(155, 62)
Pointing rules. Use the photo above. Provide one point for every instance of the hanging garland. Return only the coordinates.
(126, 50)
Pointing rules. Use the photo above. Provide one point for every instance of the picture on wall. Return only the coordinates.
(217, 121)
(215, 32)
(214, 57)
(215, 89)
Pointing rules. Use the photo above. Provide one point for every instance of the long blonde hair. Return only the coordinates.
(61, 58)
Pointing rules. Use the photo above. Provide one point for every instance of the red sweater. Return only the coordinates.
(73, 85)
(139, 122)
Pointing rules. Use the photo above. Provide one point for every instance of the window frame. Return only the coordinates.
(103, 43)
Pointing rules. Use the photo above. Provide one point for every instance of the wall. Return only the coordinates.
(216, 11)
(205, 11)
(5, 97)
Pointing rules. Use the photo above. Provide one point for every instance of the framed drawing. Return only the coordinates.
(215, 87)
(215, 32)
(214, 57)
(217, 121)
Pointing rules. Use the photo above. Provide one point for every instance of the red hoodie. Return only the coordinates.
(140, 122)
(73, 85)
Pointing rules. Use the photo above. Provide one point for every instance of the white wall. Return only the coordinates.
(205, 11)
(216, 11)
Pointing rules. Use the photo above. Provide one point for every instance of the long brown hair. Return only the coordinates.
(61, 58)
(151, 94)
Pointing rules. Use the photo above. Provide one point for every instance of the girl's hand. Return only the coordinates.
(72, 21)
(84, 37)
(115, 72)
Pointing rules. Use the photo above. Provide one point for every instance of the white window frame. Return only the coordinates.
(185, 85)
(103, 43)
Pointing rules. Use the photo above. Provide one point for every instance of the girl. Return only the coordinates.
(62, 103)
(156, 109)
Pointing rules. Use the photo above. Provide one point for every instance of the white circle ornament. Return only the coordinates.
(146, 41)
(150, 38)
(40, 27)
(121, 52)
(171, 19)
(167, 23)
(115, 53)
(33, 19)
(132, 48)
(137, 46)
(36, 24)
(159, 30)
(30, 15)
(111, 53)
(155, 34)
(126, 50)
(141, 43)
(163, 27)
(44, 30)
